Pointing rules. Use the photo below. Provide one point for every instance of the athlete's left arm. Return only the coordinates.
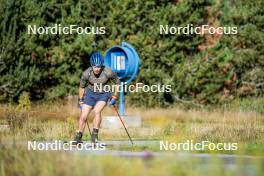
(116, 80)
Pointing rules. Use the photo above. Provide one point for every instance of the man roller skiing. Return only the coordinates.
(92, 96)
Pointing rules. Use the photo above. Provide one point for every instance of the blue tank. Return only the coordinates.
(124, 60)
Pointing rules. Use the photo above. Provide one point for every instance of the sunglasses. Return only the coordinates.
(94, 66)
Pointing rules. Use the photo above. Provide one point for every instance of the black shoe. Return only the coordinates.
(78, 138)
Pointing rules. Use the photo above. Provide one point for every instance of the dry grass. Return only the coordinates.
(58, 121)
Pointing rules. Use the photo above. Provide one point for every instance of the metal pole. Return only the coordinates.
(122, 99)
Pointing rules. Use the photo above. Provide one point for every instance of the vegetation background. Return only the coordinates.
(202, 69)
(223, 74)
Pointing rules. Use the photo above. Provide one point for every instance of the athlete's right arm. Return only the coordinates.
(81, 93)
(83, 82)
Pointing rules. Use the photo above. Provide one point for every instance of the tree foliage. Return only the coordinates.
(49, 66)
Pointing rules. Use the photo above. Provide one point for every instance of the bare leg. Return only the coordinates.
(97, 111)
(83, 117)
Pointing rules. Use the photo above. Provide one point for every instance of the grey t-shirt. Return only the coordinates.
(98, 83)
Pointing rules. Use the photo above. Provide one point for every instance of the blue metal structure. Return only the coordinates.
(125, 61)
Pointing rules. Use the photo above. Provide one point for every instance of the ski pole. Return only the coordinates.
(123, 123)
(88, 127)
(87, 124)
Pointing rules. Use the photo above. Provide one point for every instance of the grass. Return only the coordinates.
(17, 161)
(57, 121)
(174, 125)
